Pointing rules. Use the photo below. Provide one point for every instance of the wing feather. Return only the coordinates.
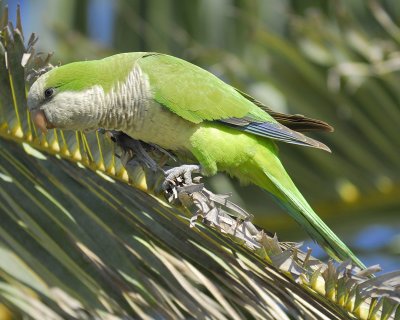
(276, 131)
(295, 122)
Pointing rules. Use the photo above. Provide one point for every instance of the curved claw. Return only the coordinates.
(184, 171)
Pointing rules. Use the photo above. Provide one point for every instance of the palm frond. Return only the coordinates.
(77, 241)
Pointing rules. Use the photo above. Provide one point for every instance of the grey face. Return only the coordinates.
(53, 108)
(37, 98)
(36, 95)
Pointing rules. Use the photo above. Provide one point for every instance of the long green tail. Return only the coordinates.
(278, 182)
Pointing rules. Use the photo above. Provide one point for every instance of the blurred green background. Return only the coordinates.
(334, 60)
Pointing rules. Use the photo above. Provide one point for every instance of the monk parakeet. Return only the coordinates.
(163, 100)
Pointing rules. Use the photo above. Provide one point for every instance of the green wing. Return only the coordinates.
(197, 95)
(194, 93)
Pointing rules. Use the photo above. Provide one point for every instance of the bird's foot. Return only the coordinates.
(140, 159)
(139, 150)
(179, 176)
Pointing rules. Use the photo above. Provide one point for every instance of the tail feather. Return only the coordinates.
(278, 182)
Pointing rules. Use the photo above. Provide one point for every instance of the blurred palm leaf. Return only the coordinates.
(76, 243)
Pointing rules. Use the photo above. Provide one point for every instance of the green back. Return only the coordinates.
(194, 93)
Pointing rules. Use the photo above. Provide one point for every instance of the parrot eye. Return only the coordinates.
(48, 92)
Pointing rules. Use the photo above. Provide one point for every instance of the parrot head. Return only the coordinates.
(62, 99)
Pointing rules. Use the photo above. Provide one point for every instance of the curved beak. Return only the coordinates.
(40, 120)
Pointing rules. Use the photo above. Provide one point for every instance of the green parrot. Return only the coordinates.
(163, 100)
